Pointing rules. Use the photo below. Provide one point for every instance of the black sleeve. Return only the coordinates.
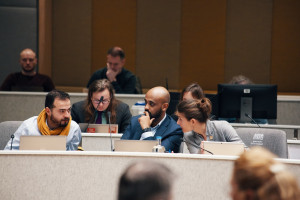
(6, 85)
(100, 74)
(92, 79)
(77, 112)
(127, 88)
(126, 117)
(48, 85)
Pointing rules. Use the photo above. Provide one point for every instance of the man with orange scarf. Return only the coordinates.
(55, 119)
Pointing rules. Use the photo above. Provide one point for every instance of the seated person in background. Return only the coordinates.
(155, 121)
(192, 91)
(27, 79)
(258, 176)
(193, 117)
(93, 111)
(240, 80)
(122, 80)
(146, 180)
(55, 119)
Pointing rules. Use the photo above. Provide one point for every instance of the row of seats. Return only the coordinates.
(273, 139)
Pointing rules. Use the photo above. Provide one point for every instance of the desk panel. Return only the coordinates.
(98, 141)
(294, 149)
(19, 106)
(95, 175)
(101, 142)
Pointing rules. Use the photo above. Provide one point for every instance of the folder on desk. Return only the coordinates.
(43, 142)
(222, 148)
(98, 128)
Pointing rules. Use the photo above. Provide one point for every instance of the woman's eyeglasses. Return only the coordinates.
(97, 101)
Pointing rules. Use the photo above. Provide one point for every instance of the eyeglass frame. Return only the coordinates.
(104, 101)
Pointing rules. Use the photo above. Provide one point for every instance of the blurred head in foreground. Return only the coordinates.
(257, 176)
(146, 180)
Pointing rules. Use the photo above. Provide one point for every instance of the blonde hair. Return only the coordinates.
(257, 171)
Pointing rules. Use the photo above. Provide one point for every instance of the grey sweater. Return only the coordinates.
(220, 131)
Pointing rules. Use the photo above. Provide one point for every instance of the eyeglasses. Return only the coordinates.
(97, 101)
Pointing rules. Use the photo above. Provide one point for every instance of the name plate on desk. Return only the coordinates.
(98, 128)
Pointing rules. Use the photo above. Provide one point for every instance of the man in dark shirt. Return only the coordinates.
(27, 79)
(122, 80)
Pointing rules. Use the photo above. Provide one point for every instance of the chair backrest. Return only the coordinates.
(7, 128)
(272, 139)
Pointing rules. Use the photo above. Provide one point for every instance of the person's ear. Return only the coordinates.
(193, 121)
(48, 111)
(165, 107)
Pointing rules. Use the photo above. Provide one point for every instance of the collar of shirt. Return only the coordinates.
(158, 125)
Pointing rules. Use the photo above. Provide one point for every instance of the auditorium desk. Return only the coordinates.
(94, 175)
(19, 106)
(101, 142)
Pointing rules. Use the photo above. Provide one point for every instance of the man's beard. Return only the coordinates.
(59, 123)
(155, 115)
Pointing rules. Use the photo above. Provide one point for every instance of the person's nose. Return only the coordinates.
(146, 107)
(67, 114)
(27, 62)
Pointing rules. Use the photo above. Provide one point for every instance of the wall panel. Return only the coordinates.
(248, 39)
(71, 47)
(158, 42)
(202, 43)
(45, 37)
(286, 45)
(18, 22)
(113, 24)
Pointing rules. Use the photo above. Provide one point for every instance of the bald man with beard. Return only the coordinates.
(28, 79)
(155, 122)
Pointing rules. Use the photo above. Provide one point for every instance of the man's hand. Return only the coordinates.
(111, 74)
(145, 120)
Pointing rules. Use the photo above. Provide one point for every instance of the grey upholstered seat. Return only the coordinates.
(272, 139)
(7, 128)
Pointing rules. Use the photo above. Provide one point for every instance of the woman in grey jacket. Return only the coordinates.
(193, 117)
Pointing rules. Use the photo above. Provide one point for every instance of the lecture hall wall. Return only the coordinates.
(182, 41)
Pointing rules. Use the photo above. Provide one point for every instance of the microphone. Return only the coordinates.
(12, 139)
(111, 144)
(246, 114)
(100, 100)
(183, 140)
